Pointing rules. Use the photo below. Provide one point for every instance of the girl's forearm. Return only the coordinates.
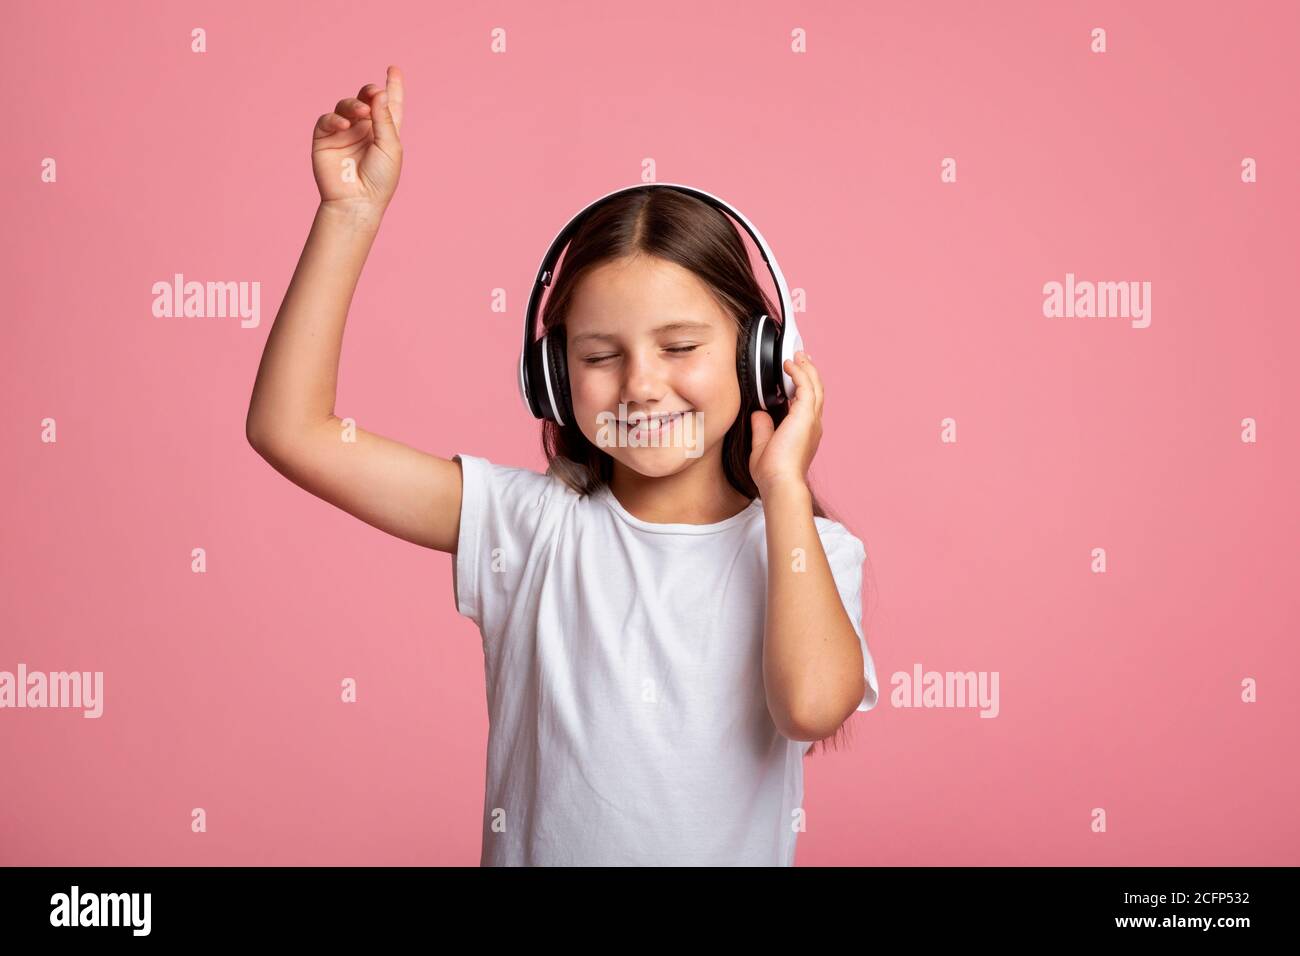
(298, 376)
(812, 662)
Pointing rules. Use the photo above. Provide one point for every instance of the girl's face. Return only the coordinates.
(646, 338)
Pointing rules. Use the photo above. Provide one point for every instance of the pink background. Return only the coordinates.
(1120, 690)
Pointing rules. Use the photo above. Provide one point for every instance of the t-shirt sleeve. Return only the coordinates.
(846, 555)
(502, 519)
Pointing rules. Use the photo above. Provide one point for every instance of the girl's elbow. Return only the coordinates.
(815, 719)
(809, 725)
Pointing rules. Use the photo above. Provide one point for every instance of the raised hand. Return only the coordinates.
(356, 155)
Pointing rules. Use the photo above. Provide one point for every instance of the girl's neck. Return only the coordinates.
(699, 494)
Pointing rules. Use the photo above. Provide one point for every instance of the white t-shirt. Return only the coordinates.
(628, 722)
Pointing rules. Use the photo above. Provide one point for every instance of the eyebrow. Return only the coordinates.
(667, 327)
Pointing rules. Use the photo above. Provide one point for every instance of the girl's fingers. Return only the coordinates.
(395, 87)
(803, 387)
(380, 104)
(385, 125)
(329, 124)
(806, 385)
(353, 109)
(818, 389)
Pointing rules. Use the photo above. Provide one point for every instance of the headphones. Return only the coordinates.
(543, 368)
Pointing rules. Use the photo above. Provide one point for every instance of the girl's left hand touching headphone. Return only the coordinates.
(782, 455)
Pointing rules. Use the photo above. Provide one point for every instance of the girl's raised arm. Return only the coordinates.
(356, 159)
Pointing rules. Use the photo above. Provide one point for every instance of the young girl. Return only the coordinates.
(667, 624)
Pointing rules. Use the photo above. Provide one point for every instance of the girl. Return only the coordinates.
(667, 625)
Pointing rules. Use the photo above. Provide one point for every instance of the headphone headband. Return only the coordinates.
(546, 270)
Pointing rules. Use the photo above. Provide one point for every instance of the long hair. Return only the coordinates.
(687, 231)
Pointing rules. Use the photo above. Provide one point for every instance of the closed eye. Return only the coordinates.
(597, 359)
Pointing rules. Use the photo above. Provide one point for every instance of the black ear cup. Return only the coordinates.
(538, 398)
(745, 364)
(758, 368)
(769, 377)
(548, 378)
(556, 345)
(760, 371)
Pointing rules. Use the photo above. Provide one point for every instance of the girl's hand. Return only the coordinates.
(355, 153)
(783, 454)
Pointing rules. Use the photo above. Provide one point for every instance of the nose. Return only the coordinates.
(643, 378)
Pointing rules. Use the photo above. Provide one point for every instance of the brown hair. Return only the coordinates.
(682, 229)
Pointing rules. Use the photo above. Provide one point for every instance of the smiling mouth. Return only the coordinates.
(652, 423)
